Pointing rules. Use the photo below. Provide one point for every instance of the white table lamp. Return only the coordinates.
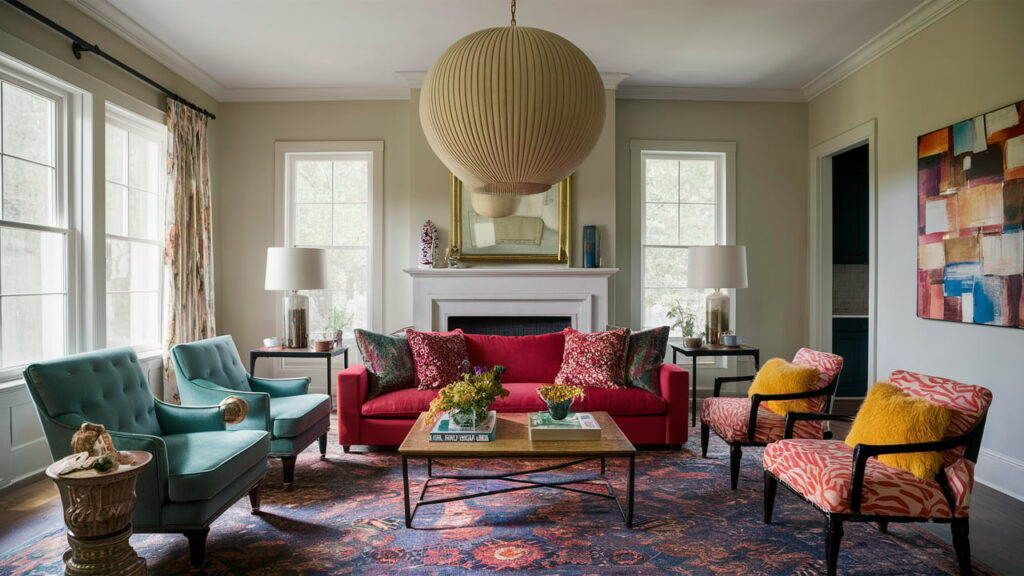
(717, 267)
(294, 269)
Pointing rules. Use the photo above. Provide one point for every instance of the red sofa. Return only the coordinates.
(644, 417)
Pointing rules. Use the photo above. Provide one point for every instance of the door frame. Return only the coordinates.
(820, 237)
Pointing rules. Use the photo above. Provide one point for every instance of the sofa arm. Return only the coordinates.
(675, 389)
(353, 386)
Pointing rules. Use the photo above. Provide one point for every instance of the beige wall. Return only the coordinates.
(965, 64)
(771, 206)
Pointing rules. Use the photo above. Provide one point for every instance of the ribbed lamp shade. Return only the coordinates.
(294, 269)
(717, 267)
(512, 110)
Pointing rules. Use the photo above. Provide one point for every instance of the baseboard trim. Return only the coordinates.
(1000, 472)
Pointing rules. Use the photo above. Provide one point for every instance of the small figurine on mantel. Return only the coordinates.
(428, 244)
(93, 449)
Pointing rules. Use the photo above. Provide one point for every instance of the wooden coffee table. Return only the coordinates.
(513, 443)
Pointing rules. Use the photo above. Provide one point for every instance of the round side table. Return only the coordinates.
(98, 513)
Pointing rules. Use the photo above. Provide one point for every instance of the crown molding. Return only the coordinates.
(715, 94)
(612, 79)
(314, 94)
(414, 78)
(115, 20)
(902, 30)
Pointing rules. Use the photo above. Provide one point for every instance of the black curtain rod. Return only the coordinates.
(79, 45)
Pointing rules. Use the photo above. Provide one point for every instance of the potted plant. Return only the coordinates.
(466, 401)
(559, 398)
(339, 320)
(686, 320)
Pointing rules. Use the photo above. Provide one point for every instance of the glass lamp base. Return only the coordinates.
(296, 313)
(717, 316)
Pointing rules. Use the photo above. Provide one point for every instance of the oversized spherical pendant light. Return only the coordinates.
(512, 110)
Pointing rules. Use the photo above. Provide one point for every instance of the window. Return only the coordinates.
(682, 202)
(135, 190)
(34, 238)
(332, 201)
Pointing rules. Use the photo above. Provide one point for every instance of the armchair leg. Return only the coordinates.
(735, 453)
(254, 499)
(323, 446)
(833, 536)
(770, 486)
(962, 545)
(288, 470)
(705, 437)
(197, 546)
(883, 526)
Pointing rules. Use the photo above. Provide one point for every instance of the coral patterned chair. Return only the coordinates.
(850, 485)
(747, 422)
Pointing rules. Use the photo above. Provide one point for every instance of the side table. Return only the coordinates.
(98, 513)
(282, 352)
(711, 350)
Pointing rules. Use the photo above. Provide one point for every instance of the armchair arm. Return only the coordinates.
(755, 403)
(724, 379)
(675, 389)
(212, 393)
(184, 419)
(793, 417)
(280, 387)
(353, 386)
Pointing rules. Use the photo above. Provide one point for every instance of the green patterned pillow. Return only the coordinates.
(388, 360)
(645, 353)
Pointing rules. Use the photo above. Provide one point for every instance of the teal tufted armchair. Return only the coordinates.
(210, 370)
(199, 469)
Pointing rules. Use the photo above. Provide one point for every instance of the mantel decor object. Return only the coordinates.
(295, 269)
(428, 244)
(717, 267)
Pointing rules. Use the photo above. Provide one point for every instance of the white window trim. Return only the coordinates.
(725, 212)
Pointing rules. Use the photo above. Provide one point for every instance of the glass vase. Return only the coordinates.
(559, 410)
(467, 418)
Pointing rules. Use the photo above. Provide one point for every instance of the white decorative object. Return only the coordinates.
(294, 269)
(512, 111)
(717, 267)
(428, 244)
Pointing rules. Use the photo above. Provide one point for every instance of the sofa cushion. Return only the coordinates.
(595, 359)
(522, 398)
(202, 464)
(439, 356)
(293, 415)
(388, 360)
(525, 358)
(645, 353)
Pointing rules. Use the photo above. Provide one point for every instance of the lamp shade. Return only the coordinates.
(294, 269)
(717, 267)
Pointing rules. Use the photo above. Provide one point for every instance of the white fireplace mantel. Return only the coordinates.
(579, 293)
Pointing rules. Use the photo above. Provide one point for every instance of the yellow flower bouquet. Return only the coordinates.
(470, 396)
(559, 398)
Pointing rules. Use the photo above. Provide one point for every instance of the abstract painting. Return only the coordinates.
(970, 212)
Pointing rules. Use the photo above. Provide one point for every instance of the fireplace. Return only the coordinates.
(509, 325)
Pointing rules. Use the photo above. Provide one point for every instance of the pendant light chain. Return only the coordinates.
(513, 12)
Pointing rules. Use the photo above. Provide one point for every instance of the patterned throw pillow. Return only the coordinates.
(593, 359)
(438, 357)
(388, 360)
(645, 353)
(780, 377)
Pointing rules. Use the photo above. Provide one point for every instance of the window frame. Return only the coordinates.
(68, 158)
(133, 122)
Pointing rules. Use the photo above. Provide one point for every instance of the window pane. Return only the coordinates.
(348, 276)
(661, 224)
(145, 266)
(143, 211)
(118, 266)
(662, 180)
(658, 301)
(117, 154)
(664, 267)
(313, 225)
(33, 328)
(697, 227)
(28, 192)
(350, 224)
(313, 181)
(119, 329)
(351, 180)
(31, 262)
(28, 125)
(697, 180)
(144, 164)
(116, 209)
(145, 318)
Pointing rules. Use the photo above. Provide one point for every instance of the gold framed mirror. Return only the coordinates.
(537, 230)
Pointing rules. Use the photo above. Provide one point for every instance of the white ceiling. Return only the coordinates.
(324, 49)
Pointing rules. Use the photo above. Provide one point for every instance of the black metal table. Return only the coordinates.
(705, 351)
(282, 352)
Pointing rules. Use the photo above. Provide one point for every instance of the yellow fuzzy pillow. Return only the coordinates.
(891, 416)
(780, 377)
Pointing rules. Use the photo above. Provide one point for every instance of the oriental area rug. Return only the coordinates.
(344, 516)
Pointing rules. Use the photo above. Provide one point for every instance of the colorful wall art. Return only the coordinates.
(970, 242)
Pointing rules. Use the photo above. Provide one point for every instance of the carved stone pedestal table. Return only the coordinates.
(98, 513)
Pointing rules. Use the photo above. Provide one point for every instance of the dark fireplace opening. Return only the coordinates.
(509, 325)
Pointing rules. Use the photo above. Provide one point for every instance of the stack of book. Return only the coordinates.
(576, 426)
(446, 431)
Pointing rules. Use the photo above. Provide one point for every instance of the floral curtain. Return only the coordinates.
(188, 253)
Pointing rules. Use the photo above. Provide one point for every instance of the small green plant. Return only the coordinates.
(341, 318)
(477, 389)
(682, 318)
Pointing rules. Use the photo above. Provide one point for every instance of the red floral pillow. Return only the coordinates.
(438, 357)
(593, 359)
